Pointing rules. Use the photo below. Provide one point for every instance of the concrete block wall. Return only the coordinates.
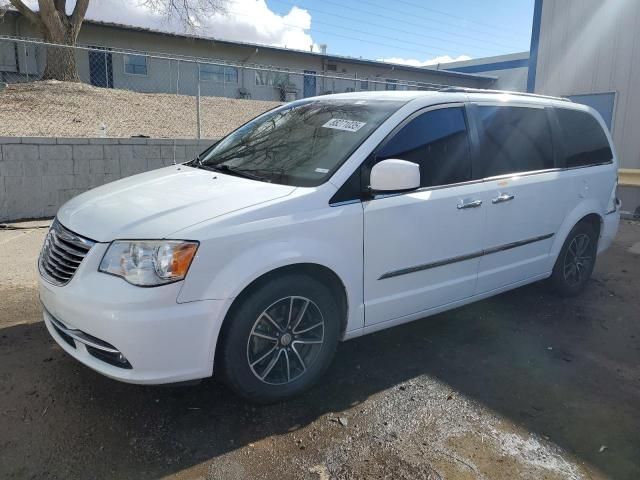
(39, 174)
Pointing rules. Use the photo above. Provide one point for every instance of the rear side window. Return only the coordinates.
(437, 141)
(585, 142)
(513, 140)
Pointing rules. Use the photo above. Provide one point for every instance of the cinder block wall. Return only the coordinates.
(37, 175)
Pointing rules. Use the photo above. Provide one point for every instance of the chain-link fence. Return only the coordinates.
(120, 93)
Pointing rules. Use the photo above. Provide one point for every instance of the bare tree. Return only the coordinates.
(189, 12)
(57, 26)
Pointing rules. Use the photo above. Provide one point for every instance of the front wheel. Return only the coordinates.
(280, 339)
(575, 263)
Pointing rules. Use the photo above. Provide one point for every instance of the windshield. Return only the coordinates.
(300, 144)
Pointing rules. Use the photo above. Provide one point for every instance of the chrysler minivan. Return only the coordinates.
(323, 220)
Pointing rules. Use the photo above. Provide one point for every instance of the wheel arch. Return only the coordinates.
(585, 212)
(595, 220)
(314, 270)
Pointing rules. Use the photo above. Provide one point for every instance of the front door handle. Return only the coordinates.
(503, 197)
(469, 204)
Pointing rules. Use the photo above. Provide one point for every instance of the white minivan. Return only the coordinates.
(323, 220)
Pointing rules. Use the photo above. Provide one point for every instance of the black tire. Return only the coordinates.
(575, 262)
(301, 360)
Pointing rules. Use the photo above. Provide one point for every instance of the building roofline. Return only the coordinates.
(491, 67)
(508, 57)
(361, 61)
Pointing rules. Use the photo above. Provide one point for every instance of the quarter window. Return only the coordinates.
(437, 141)
(585, 142)
(135, 64)
(513, 140)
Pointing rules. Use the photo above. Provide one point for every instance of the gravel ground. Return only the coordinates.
(523, 385)
(66, 109)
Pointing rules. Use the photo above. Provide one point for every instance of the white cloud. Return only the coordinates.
(245, 20)
(420, 63)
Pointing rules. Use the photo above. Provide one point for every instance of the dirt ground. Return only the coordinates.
(67, 109)
(523, 385)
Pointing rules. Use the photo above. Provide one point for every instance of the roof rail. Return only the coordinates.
(482, 90)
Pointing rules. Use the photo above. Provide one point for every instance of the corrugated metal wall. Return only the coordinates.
(593, 46)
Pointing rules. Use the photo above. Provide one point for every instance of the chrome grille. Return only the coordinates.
(62, 253)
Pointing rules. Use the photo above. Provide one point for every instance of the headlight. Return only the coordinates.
(149, 263)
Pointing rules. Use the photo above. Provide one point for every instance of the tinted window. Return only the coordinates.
(512, 140)
(585, 142)
(437, 141)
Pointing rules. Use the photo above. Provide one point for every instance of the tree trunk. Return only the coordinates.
(61, 61)
(57, 27)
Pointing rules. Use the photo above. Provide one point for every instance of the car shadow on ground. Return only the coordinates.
(561, 368)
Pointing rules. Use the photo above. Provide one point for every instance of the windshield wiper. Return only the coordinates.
(196, 162)
(239, 172)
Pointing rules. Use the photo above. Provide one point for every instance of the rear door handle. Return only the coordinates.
(503, 197)
(469, 204)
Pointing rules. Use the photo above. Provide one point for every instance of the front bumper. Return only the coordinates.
(163, 341)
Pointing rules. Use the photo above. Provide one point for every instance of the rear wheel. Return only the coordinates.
(575, 263)
(280, 339)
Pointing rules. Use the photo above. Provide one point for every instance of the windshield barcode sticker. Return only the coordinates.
(346, 125)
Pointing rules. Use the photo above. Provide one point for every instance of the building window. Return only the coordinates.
(271, 79)
(604, 103)
(391, 84)
(332, 67)
(218, 73)
(364, 84)
(135, 64)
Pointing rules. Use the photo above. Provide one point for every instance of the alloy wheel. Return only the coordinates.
(285, 340)
(578, 259)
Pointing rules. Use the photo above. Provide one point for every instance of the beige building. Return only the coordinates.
(251, 70)
(589, 51)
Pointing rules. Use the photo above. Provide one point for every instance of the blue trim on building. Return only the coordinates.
(489, 67)
(535, 42)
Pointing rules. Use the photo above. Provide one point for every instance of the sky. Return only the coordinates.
(415, 32)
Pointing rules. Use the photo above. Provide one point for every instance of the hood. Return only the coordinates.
(157, 203)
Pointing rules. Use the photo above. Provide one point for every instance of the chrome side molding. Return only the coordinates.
(462, 258)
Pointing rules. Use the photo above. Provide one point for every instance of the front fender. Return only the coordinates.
(229, 262)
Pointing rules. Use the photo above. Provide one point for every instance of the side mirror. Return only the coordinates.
(394, 176)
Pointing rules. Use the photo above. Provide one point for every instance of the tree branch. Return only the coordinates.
(50, 18)
(26, 12)
(79, 12)
(188, 12)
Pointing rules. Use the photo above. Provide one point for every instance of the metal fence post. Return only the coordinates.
(178, 79)
(177, 91)
(106, 71)
(26, 60)
(198, 104)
